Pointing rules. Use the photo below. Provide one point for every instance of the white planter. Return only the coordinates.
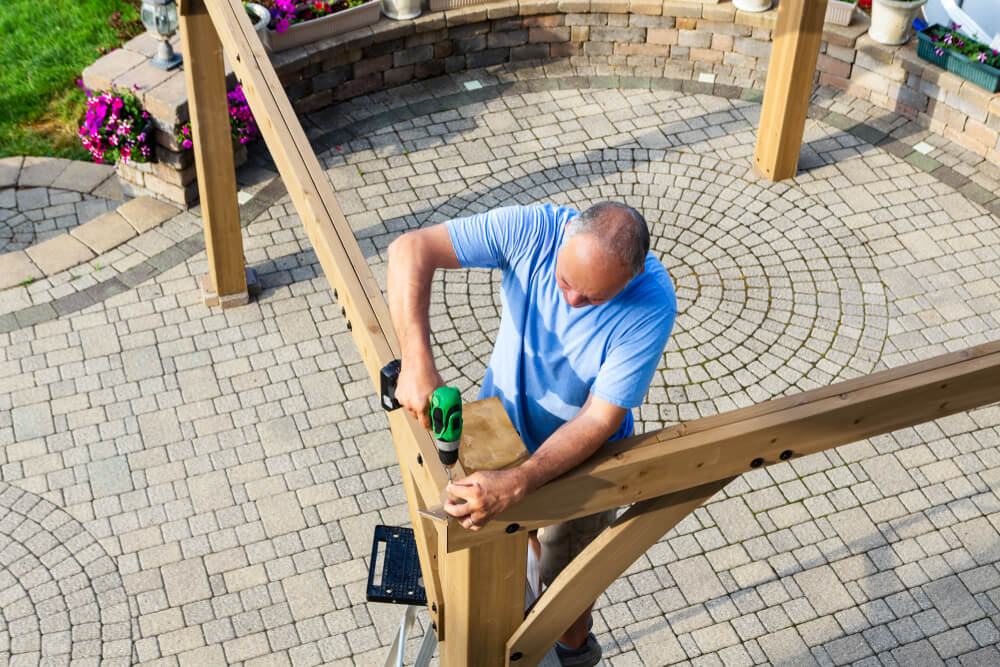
(263, 16)
(752, 5)
(325, 26)
(891, 20)
(839, 12)
(401, 9)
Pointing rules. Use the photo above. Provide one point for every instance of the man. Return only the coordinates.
(586, 314)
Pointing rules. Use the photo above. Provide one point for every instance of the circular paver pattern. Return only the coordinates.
(32, 215)
(61, 596)
(774, 293)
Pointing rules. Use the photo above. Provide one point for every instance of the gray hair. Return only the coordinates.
(621, 229)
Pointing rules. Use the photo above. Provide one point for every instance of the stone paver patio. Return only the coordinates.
(183, 486)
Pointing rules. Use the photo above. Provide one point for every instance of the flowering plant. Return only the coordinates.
(116, 127)
(242, 125)
(945, 39)
(286, 13)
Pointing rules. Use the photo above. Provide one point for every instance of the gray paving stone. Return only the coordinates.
(980, 539)
(33, 421)
(696, 579)
(308, 595)
(210, 491)
(159, 428)
(110, 477)
(951, 597)
(786, 647)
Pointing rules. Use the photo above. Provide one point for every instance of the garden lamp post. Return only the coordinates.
(160, 18)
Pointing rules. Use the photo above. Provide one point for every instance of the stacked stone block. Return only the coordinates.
(656, 39)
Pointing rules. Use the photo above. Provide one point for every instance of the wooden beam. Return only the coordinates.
(720, 447)
(794, 51)
(213, 154)
(484, 599)
(597, 567)
(343, 264)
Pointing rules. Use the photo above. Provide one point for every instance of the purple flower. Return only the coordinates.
(939, 52)
(188, 143)
(282, 25)
(981, 57)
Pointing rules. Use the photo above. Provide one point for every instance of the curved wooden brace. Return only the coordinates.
(597, 567)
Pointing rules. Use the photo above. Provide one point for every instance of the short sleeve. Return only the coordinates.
(628, 370)
(500, 238)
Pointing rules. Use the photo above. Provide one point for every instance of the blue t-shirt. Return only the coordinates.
(549, 356)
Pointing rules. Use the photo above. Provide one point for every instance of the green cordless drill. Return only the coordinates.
(446, 422)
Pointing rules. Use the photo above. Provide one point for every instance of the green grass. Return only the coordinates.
(44, 48)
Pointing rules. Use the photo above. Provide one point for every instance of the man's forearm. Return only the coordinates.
(409, 285)
(565, 449)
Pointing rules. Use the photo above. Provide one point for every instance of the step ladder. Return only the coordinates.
(394, 576)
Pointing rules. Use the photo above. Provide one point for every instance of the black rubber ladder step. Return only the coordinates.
(394, 572)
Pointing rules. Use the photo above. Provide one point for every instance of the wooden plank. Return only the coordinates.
(649, 465)
(484, 598)
(489, 441)
(794, 51)
(597, 567)
(213, 154)
(332, 239)
(342, 261)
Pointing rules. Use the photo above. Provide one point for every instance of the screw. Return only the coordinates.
(513, 528)
(335, 296)
(785, 455)
(420, 460)
(348, 325)
(434, 607)
(516, 656)
(756, 463)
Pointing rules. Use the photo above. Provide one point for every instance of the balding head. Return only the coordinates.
(620, 230)
(603, 249)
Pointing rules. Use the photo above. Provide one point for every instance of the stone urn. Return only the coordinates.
(891, 20)
(401, 10)
(752, 5)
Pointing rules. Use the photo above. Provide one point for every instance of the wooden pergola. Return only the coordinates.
(475, 581)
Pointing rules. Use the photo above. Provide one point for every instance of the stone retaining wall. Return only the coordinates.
(655, 39)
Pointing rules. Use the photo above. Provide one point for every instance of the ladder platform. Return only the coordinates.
(394, 571)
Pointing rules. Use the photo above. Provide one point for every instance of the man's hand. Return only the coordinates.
(482, 495)
(414, 388)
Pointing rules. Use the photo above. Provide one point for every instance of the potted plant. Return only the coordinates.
(116, 127)
(891, 20)
(959, 53)
(839, 12)
(752, 5)
(259, 15)
(296, 24)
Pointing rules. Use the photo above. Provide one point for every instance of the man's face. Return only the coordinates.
(586, 274)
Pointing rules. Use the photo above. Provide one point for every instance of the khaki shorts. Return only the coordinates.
(561, 542)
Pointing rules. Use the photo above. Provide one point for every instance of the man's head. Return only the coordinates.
(603, 249)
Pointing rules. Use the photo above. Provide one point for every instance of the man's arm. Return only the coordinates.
(413, 258)
(483, 495)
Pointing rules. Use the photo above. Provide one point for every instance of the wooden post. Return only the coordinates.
(794, 51)
(484, 597)
(205, 75)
